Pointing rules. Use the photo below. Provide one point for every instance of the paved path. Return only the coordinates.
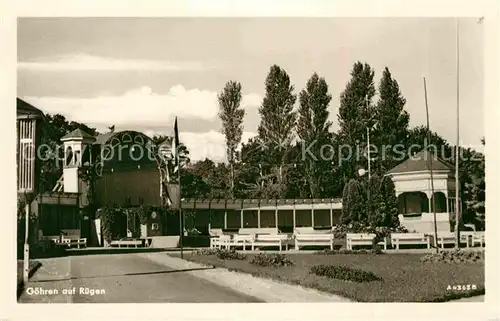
(122, 278)
(266, 289)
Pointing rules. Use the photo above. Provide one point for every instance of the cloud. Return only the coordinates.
(142, 109)
(84, 62)
(210, 145)
(140, 106)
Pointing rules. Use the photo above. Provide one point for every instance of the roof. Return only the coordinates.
(77, 133)
(24, 109)
(419, 163)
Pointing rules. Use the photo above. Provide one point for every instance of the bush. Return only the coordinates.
(376, 250)
(273, 260)
(230, 255)
(344, 273)
(206, 251)
(454, 256)
(380, 232)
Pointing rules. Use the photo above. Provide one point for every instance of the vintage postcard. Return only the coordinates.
(188, 158)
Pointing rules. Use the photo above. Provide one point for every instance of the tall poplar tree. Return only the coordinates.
(354, 117)
(276, 129)
(391, 128)
(313, 129)
(231, 116)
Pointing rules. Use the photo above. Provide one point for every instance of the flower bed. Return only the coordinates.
(274, 260)
(376, 250)
(455, 256)
(344, 273)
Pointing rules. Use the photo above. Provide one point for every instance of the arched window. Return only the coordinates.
(69, 156)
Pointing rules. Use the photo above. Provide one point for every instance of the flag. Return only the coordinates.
(173, 187)
(175, 149)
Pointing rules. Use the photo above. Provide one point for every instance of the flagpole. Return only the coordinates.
(457, 147)
(429, 164)
(177, 160)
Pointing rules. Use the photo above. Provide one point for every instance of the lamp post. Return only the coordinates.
(361, 173)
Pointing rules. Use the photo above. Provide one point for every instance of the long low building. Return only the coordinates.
(286, 214)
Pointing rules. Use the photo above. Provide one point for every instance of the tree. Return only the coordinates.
(313, 129)
(374, 201)
(417, 140)
(231, 116)
(276, 129)
(353, 203)
(386, 207)
(354, 117)
(392, 121)
(472, 166)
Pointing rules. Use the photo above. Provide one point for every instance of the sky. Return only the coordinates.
(140, 73)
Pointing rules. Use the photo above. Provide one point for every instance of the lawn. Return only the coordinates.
(404, 277)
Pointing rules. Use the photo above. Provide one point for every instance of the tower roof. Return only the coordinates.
(26, 110)
(419, 163)
(77, 133)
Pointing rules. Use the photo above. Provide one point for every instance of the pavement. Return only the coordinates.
(121, 278)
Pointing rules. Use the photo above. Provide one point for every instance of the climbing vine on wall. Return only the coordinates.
(109, 217)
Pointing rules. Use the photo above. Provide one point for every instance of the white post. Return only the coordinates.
(331, 213)
(26, 244)
(225, 219)
(258, 217)
(276, 215)
(294, 216)
(312, 213)
(241, 219)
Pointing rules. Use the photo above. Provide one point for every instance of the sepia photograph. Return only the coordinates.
(250, 159)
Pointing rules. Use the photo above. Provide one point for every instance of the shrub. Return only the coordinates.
(344, 273)
(205, 251)
(274, 260)
(230, 255)
(345, 251)
(454, 256)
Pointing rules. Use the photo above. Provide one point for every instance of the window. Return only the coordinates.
(69, 155)
(154, 226)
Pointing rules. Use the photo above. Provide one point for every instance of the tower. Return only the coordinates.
(77, 150)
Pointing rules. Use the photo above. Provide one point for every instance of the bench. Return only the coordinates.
(362, 239)
(277, 240)
(311, 230)
(222, 241)
(446, 238)
(258, 230)
(127, 243)
(313, 240)
(241, 240)
(398, 239)
(69, 242)
(471, 238)
(214, 236)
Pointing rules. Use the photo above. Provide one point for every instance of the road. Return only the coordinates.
(120, 278)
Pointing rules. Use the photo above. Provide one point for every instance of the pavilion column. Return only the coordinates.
(293, 216)
(276, 214)
(241, 219)
(331, 213)
(312, 213)
(447, 204)
(225, 219)
(258, 216)
(429, 198)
